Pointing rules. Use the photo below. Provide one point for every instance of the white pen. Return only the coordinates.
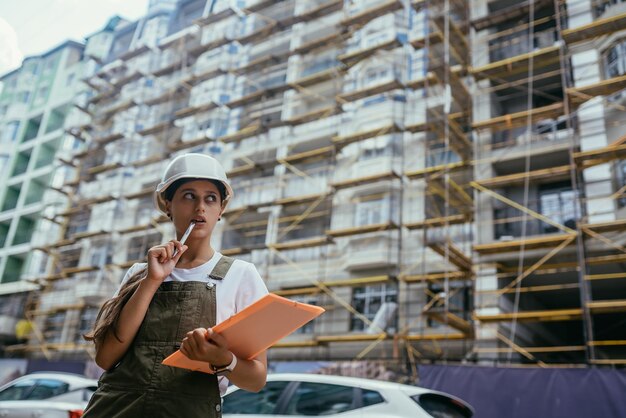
(185, 236)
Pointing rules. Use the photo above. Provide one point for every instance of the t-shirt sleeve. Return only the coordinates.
(251, 289)
(132, 270)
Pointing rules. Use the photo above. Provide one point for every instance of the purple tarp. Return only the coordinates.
(498, 392)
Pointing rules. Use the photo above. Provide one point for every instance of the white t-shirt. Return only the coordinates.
(241, 287)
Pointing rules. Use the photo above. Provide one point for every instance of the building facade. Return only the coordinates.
(444, 177)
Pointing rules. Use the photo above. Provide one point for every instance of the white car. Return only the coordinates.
(287, 395)
(49, 395)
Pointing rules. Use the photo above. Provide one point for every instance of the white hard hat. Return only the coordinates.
(192, 166)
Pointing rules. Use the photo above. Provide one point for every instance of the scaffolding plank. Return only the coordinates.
(372, 13)
(243, 133)
(297, 200)
(435, 337)
(318, 77)
(364, 180)
(606, 306)
(301, 243)
(587, 159)
(323, 42)
(550, 174)
(579, 95)
(351, 58)
(517, 64)
(435, 277)
(345, 232)
(547, 241)
(313, 115)
(594, 29)
(342, 140)
(452, 253)
(370, 91)
(519, 119)
(424, 172)
(350, 338)
(618, 225)
(439, 222)
(355, 281)
(572, 314)
(314, 154)
(451, 320)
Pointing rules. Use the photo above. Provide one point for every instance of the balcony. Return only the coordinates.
(370, 252)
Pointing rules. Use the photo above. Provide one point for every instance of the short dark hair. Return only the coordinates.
(168, 194)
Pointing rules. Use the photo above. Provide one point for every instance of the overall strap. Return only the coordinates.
(221, 268)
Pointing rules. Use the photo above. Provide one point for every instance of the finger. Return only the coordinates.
(216, 339)
(180, 252)
(183, 347)
(169, 248)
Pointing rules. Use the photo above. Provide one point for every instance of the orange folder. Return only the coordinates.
(254, 329)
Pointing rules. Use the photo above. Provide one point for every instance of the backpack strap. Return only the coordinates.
(221, 268)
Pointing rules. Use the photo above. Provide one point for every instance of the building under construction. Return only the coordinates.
(446, 178)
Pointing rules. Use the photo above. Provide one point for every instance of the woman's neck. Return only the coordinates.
(195, 256)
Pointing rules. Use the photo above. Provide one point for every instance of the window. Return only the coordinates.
(559, 203)
(314, 399)
(10, 131)
(369, 300)
(24, 97)
(17, 391)
(372, 212)
(261, 403)
(371, 397)
(440, 406)
(47, 388)
(615, 60)
(139, 246)
(69, 80)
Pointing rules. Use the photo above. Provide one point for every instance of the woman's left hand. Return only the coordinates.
(203, 344)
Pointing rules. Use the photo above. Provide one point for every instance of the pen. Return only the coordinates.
(185, 236)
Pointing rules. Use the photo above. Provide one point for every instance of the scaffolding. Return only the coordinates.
(418, 170)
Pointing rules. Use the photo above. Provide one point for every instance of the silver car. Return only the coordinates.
(49, 395)
(287, 395)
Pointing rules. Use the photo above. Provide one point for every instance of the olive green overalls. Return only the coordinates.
(140, 386)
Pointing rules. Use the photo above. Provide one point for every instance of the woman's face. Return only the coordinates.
(197, 200)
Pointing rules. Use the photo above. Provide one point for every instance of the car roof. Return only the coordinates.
(349, 381)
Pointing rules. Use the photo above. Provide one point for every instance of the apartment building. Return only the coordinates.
(39, 102)
(444, 177)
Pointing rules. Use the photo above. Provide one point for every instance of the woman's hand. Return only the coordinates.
(161, 260)
(205, 345)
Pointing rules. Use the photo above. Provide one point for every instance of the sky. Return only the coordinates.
(31, 27)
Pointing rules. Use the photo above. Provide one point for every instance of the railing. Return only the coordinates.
(545, 131)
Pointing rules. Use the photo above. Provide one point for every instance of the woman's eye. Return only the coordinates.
(212, 198)
(188, 196)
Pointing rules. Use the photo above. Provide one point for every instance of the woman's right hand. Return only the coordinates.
(161, 261)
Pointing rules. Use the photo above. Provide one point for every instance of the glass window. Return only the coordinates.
(372, 212)
(47, 388)
(440, 406)
(17, 391)
(314, 399)
(560, 205)
(261, 403)
(10, 131)
(371, 397)
(615, 60)
(369, 300)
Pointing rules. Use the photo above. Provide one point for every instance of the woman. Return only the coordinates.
(171, 302)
